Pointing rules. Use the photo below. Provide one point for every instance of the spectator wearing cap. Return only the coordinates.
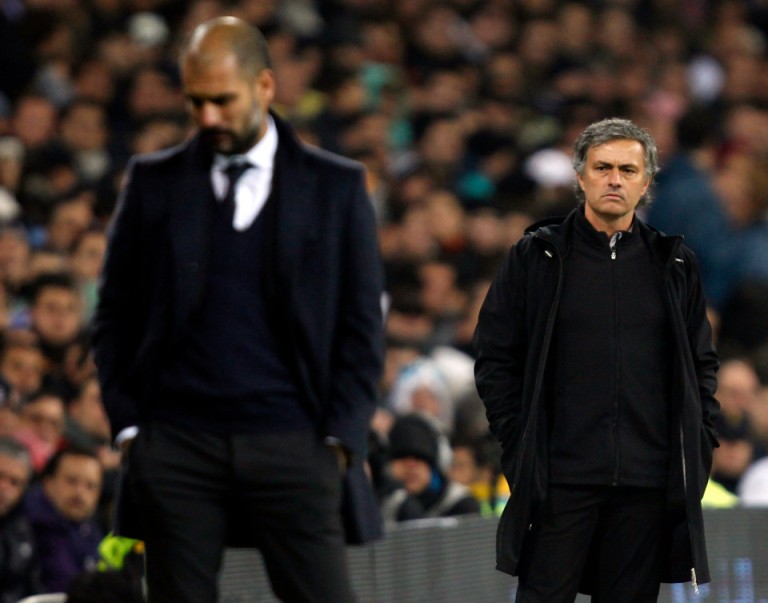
(422, 387)
(419, 461)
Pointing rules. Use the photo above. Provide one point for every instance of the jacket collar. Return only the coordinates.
(558, 232)
(189, 220)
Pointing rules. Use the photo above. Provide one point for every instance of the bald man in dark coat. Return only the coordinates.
(239, 329)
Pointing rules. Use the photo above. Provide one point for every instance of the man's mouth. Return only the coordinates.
(216, 135)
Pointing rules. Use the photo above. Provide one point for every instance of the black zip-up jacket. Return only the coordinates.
(609, 423)
(513, 340)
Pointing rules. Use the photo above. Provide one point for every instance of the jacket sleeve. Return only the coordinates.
(501, 344)
(115, 332)
(358, 347)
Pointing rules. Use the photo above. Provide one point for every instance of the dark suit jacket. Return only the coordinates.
(323, 287)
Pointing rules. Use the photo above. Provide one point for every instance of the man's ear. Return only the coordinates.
(265, 85)
(648, 184)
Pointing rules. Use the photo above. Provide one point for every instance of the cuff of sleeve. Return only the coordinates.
(126, 434)
(335, 442)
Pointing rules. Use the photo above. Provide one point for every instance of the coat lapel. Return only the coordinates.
(190, 217)
(295, 193)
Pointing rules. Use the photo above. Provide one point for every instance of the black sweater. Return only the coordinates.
(609, 414)
(230, 373)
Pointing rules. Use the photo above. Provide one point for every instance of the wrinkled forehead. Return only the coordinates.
(618, 151)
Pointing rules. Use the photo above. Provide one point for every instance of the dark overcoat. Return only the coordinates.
(513, 338)
(323, 284)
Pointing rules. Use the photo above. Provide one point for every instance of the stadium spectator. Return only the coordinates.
(18, 553)
(34, 122)
(22, 365)
(56, 317)
(70, 217)
(9, 410)
(737, 391)
(61, 511)
(88, 427)
(84, 130)
(753, 485)
(687, 201)
(423, 387)
(420, 459)
(41, 426)
(86, 256)
(15, 251)
(475, 464)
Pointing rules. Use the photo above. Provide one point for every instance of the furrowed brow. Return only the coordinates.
(198, 99)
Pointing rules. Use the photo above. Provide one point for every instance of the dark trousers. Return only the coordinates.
(619, 529)
(278, 492)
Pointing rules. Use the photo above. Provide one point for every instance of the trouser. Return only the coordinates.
(618, 529)
(278, 492)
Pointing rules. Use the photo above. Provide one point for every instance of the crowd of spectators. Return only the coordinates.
(463, 112)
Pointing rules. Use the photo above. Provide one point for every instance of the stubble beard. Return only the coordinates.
(235, 143)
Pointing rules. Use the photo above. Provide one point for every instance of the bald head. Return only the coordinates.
(228, 84)
(227, 38)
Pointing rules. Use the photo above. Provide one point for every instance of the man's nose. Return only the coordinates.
(209, 115)
(615, 178)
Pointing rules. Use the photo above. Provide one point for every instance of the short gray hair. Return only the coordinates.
(606, 130)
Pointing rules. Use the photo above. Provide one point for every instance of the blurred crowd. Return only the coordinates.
(464, 112)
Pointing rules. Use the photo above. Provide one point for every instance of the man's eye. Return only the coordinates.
(198, 103)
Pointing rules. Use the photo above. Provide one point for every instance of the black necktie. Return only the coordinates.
(233, 171)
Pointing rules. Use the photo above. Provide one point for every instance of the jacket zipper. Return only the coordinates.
(685, 495)
(694, 579)
(615, 427)
(612, 243)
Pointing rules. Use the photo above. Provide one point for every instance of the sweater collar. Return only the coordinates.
(584, 228)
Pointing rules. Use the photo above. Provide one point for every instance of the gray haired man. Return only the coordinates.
(597, 369)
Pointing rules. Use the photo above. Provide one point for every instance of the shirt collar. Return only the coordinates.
(262, 154)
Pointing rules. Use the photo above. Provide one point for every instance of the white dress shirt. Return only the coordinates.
(255, 184)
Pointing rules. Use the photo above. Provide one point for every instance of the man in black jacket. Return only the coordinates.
(239, 327)
(597, 370)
